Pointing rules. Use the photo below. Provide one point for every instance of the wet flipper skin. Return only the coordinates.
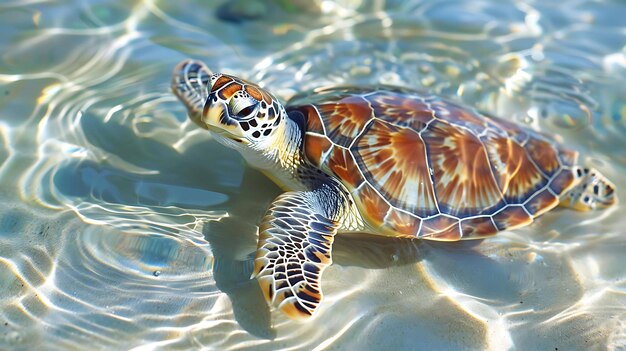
(191, 83)
(294, 248)
(593, 191)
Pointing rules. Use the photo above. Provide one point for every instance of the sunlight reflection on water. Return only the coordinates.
(123, 225)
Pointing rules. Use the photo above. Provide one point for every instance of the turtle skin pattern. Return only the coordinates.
(421, 166)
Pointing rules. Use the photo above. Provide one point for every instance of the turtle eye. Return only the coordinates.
(246, 111)
(243, 107)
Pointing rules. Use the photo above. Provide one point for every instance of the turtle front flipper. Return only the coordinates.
(295, 239)
(191, 82)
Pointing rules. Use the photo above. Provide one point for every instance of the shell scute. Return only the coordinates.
(402, 222)
(346, 118)
(541, 202)
(478, 227)
(374, 206)
(315, 146)
(442, 228)
(517, 176)
(453, 113)
(567, 157)
(393, 160)
(509, 129)
(562, 181)
(312, 120)
(463, 180)
(401, 110)
(543, 154)
(511, 217)
(343, 165)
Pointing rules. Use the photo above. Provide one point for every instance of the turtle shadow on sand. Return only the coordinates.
(379, 252)
(233, 241)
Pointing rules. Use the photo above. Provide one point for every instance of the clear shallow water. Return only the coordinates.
(124, 226)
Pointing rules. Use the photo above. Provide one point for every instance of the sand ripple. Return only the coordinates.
(123, 226)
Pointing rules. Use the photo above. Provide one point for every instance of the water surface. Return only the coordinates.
(123, 226)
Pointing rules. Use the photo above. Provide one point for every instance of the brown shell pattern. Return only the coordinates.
(418, 165)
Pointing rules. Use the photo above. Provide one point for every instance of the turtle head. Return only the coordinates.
(242, 110)
(227, 106)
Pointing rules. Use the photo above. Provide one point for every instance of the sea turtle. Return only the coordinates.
(384, 160)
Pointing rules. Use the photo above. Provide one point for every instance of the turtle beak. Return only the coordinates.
(216, 119)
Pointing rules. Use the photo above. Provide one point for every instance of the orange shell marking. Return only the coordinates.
(512, 217)
(396, 108)
(541, 202)
(478, 227)
(343, 166)
(463, 179)
(457, 115)
(313, 121)
(403, 223)
(345, 119)
(228, 91)
(315, 146)
(516, 175)
(562, 181)
(220, 82)
(394, 162)
(544, 155)
(442, 228)
(375, 208)
(254, 92)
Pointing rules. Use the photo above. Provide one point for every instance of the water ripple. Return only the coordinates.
(123, 226)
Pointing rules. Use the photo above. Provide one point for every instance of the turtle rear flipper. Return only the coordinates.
(593, 191)
(295, 240)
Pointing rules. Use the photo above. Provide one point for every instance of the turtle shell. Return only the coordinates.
(419, 165)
